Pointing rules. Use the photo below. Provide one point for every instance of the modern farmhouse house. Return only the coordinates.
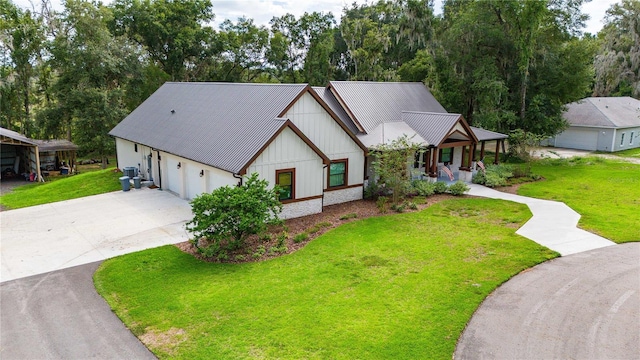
(190, 138)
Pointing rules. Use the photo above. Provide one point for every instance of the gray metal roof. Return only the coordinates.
(220, 124)
(385, 133)
(327, 96)
(56, 145)
(370, 104)
(433, 127)
(16, 136)
(486, 135)
(612, 112)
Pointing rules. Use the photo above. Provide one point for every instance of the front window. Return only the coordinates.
(286, 180)
(446, 155)
(338, 173)
(631, 139)
(622, 140)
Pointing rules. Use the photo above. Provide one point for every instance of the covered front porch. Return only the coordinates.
(456, 154)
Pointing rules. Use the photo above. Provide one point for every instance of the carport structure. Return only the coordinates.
(19, 153)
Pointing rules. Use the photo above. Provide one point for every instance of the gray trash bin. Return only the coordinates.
(136, 182)
(124, 181)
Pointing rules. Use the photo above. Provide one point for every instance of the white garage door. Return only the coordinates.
(574, 138)
(193, 180)
(173, 175)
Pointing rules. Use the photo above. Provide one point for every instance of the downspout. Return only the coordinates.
(239, 177)
(323, 179)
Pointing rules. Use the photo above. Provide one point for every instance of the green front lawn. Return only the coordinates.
(394, 287)
(62, 188)
(628, 153)
(605, 192)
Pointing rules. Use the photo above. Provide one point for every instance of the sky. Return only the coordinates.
(261, 11)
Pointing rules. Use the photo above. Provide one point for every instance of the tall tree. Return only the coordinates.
(93, 69)
(617, 64)
(174, 32)
(21, 39)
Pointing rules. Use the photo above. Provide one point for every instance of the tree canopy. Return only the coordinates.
(504, 65)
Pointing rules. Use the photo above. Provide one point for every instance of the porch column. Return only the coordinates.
(426, 157)
(482, 151)
(434, 162)
(472, 152)
(497, 152)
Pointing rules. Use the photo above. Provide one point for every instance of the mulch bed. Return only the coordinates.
(328, 219)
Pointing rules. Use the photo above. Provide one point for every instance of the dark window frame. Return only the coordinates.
(440, 157)
(292, 171)
(345, 175)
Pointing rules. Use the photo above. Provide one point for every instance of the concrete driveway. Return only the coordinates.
(59, 315)
(582, 306)
(44, 238)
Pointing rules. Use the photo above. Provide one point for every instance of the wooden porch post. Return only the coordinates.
(497, 152)
(426, 157)
(434, 162)
(463, 160)
(482, 150)
(472, 151)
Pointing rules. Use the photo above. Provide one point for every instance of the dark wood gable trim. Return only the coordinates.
(309, 89)
(346, 108)
(294, 128)
(467, 128)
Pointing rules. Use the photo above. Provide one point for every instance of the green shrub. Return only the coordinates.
(381, 203)
(372, 190)
(399, 207)
(265, 237)
(260, 250)
(349, 216)
(412, 205)
(300, 237)
(423, 188)
(479, 178)
(317, 227)
(495, 180)
(440, 187)
(224, 218)
(459, 188)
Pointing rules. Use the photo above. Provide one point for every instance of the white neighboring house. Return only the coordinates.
(190, 138)
(602, 124)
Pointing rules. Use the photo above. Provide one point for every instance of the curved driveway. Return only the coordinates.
(59, 315)
(582, 306)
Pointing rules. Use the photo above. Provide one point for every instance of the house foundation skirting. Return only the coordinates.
(343, 195)
(301, 208)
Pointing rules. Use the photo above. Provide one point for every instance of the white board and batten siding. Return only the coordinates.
(186, 181)
(316, 123)
(289, 151)
(130, 154)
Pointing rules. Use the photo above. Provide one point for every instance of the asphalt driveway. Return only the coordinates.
(59, 315)
(581, 306)
(50, 237)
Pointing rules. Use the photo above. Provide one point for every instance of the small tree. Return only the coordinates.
(224, 218)
(392, 164)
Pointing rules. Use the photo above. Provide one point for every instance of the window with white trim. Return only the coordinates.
(631, 139)
(622, 140)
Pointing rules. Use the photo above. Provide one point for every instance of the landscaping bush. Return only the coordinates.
(458, 189)
(495, 180)
(479, 178)
(381, 203)
(224, 218)
(440, 187)
(423, 188)
(349, 216)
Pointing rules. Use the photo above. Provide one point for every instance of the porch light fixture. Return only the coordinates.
(179, 165)
(201, 173)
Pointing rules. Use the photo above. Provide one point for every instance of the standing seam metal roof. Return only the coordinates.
(613, 112)
(374, 103)
(328, 97)
(433, 127)
(219, 124)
